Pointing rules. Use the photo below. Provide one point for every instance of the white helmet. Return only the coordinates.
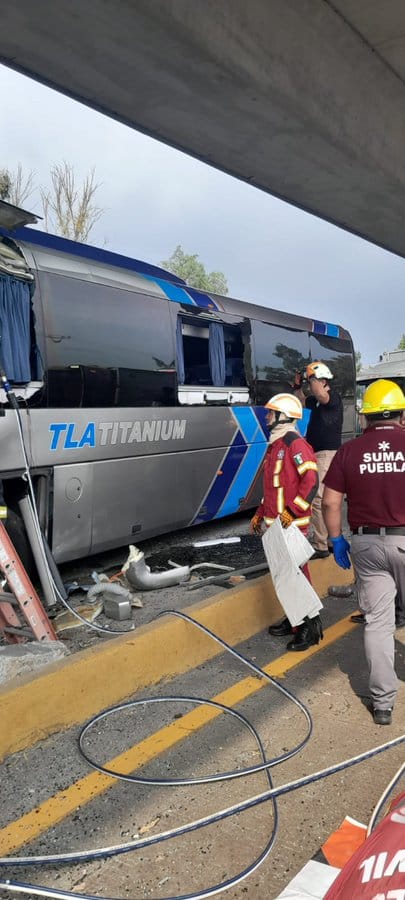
(318, 369)
(287, 404)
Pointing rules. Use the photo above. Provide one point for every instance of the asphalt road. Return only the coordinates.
(176, 740)
(331, 683)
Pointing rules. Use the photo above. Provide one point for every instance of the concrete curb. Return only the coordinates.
(70, 691)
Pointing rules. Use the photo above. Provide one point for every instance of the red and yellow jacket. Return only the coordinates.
(290, 480)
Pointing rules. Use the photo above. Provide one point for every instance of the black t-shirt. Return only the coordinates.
(325, 425)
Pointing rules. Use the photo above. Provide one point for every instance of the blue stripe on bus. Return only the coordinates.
(319, 327)
(243, 481)
(261, 413)
(184, 295)
(248, 423)
(325, 328)
(172, 291)
(251, 429)
(86, 251)
(222, 482)
(242, 463)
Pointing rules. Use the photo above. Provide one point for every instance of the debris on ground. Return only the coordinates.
(235, 579)
(224, 579)
(118, 608)
(140, 576)
(66, 619)
(109, 590)
(342, 590)
(246, 551)
(19, 659)
(216, 542)
(144, 829)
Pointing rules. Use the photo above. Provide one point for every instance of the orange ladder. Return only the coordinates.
(23, 599)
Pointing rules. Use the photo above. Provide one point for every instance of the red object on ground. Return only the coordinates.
(25, 598)
(377, 870)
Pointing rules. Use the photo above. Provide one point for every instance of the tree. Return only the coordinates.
(401, 345)
(16, 187)
(22, 185)
(69, 208)
(192, 270)
(5, 184)
(357, 356)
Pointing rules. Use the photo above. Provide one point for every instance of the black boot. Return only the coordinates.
(309, 633)
(281, 629)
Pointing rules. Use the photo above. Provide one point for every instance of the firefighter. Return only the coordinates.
(369, 470)
(324, 433)
(290, 482)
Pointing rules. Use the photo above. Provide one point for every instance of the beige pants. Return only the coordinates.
(380, 576)
(324, 459)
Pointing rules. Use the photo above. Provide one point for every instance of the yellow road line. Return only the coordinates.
(36, 705)
(34, 823)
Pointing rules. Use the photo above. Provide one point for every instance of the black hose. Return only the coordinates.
(140, 843)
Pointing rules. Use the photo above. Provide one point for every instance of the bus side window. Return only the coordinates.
(106, 346)
(210, 354)
(278, 353)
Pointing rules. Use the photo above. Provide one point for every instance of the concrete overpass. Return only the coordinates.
(302, 98)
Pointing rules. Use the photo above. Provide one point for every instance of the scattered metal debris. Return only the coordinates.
(117, 608)
(140, 576)
(342, 590)
(221, 579)
(217, 542)
(109, 590)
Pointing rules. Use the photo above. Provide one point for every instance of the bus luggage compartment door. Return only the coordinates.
(72, 511)
(143, 496)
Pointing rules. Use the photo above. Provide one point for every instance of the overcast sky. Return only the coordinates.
(155, 198)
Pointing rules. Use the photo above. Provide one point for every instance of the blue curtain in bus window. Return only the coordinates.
(180, 353)
(216, 353)
(15, 328)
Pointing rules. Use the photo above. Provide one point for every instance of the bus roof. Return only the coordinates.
(172, 287)
(86, 251)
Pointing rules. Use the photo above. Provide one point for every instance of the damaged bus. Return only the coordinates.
(140, 398)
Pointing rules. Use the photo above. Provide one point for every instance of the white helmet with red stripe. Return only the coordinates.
(288, 404)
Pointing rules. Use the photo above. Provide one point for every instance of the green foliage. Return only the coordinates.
(189, 267)
(401, 345)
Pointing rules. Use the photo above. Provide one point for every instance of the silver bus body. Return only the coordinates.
(128, 432)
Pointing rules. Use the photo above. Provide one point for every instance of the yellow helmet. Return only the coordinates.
(382, 396)
(287, 404)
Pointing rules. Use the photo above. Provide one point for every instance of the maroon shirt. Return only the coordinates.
(370, 470)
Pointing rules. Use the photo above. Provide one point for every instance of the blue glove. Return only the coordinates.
(341, 549)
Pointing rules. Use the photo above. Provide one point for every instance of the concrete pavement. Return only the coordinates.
(68, 692)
